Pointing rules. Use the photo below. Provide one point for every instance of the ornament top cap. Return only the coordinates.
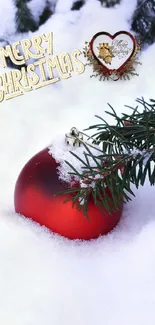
(74, 137)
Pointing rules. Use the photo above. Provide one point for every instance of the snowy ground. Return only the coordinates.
(45, 279)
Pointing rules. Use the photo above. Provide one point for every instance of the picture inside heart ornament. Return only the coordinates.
(125, 47)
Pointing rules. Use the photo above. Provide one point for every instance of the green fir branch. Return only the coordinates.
(129, 144)
(24, 19)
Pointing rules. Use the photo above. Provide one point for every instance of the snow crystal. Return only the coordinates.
(135, 152)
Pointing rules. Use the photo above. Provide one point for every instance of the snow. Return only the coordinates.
(37, 7)
(60, 151)
(46, 279)
(7, 19)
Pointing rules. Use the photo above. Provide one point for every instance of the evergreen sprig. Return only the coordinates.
(126, 156)
(24, 19)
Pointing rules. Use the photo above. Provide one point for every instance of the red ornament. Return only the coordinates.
(128, 123)
(34, 198)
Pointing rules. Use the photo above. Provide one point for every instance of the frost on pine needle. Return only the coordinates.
(92, 182)
(146, 155)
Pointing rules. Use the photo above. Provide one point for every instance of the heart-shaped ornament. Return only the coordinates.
(113, 52)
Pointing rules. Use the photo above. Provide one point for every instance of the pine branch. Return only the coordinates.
(24, 19)
(128, 151)
(48, 12)
(109, 3)
(143, 22)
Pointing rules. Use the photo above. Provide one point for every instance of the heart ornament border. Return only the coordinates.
(104, 68)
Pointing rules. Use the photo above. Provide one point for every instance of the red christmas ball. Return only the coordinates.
(34, 198)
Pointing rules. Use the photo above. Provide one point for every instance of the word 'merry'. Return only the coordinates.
(45, 69)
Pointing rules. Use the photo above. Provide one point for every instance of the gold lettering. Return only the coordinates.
(81, 65)
(35, 78)
(16, 74)
(66, 63)
(37, 40)
(7, 52)
(2, 94)
(26, 45)
(26, 86)
(8, 82)
(49, 38)
(54, 63)
(13, 95)
(18, 57)
(46, 83)
(41, 67)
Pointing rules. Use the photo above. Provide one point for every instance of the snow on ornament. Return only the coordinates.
(46, 174)
(60, 151)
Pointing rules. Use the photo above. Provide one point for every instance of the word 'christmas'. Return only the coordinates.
(45, 69)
